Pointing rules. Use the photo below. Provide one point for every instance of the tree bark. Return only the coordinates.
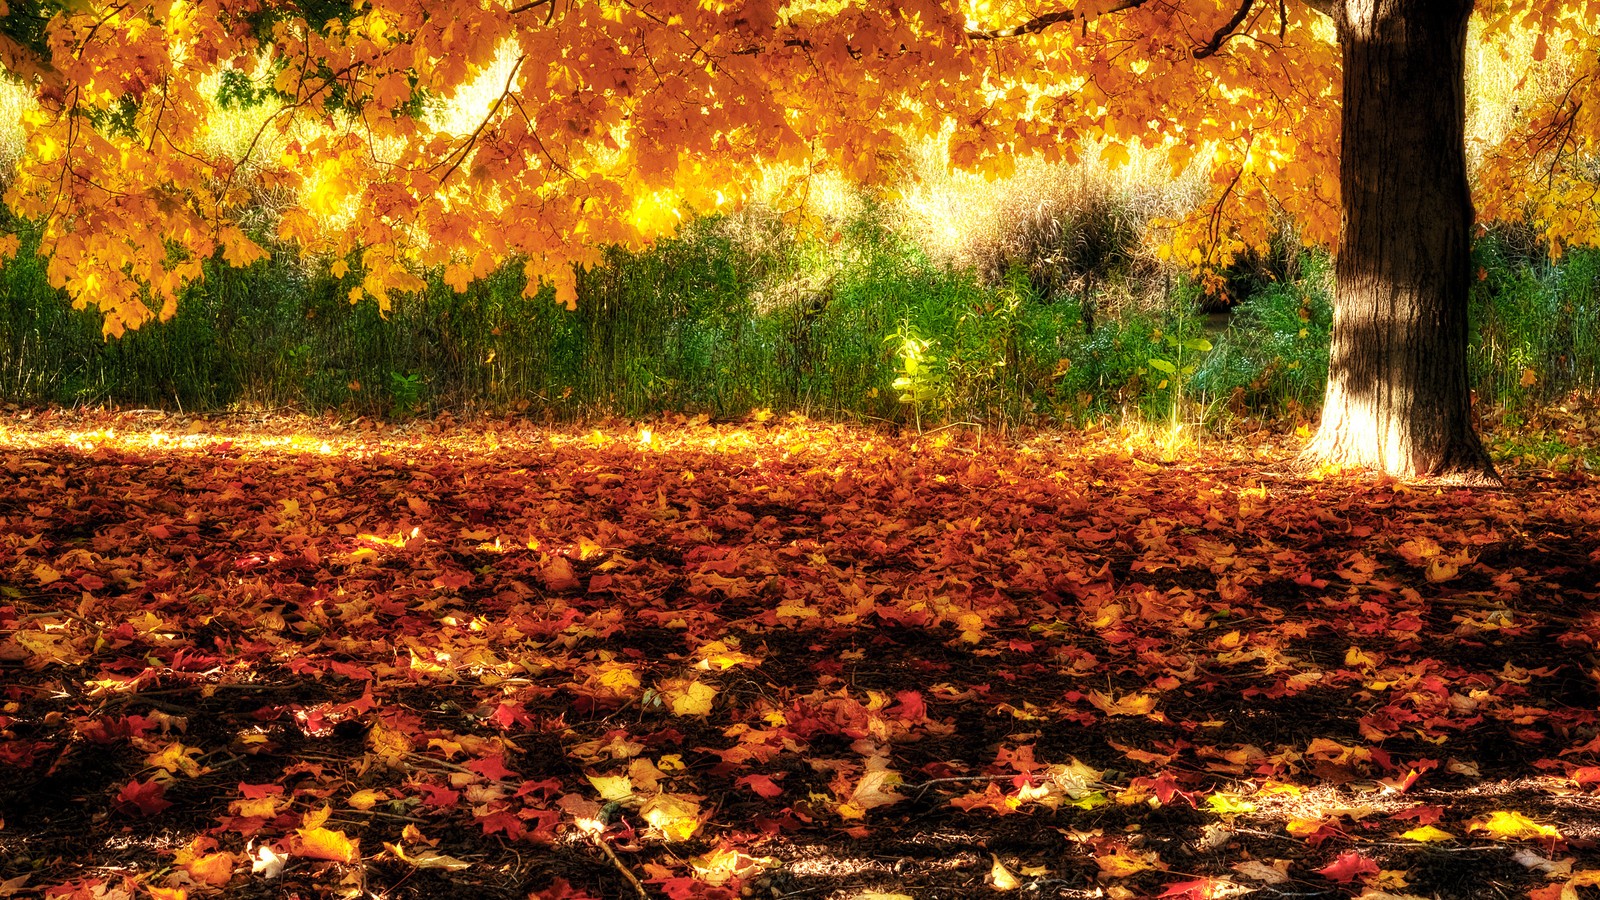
(1398, 398)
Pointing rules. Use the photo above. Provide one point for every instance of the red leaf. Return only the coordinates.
(1199, 889)
(438, 797)
(1422, 815)
(501, 821)
(1348, 867)
(561, 889)
(911, 707)
(492, 768)
(762, 786)
(142, 798)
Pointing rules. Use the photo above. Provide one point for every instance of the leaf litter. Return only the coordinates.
(779, 659)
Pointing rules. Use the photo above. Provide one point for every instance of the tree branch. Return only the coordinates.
(1329, 8)
(1040, 23)
(1226, 31)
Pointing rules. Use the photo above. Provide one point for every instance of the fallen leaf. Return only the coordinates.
(1000, 878)
(1348, 867)
(326, 843)
(1126, 705)
(677, 817)
(1428, 834)
(1503, 825)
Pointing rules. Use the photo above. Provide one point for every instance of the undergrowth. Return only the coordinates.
(744, 313)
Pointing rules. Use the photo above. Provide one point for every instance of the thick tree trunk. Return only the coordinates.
(1398, 399)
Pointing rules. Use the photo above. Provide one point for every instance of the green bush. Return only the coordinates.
(741, 313)
(1273, 358)
(1535, 323)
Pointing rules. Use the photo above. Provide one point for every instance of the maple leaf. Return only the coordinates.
(1204, 889)
(1427, 834)
(1504, 825)
(1349, 866)
(142, 798)
(314, 841)
(427, 859)
(1000, 877)
(689, 698)
(1126, 705)
(761, 785)
(1122, 862)
(676, 817)
(874, 789)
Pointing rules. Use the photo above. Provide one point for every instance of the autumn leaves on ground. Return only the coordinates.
(775, 659)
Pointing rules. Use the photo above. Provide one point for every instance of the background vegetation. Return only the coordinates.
(1032, 299)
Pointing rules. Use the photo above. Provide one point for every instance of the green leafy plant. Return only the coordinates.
(405, 394)
(1178, 358)
(920, 380)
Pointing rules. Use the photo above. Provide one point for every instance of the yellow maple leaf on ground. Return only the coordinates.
(689, 698)
(676, 816)
(875, 789)
(1124, 861)
(612, 787)
(316, 842)
(175, 758)
(205, 863)
(1512, 826)
(326, 843)
(1127, 705)
(1428, 834)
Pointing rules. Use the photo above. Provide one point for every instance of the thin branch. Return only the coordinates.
(1042, 22)
(472, 139)
(1226, 31)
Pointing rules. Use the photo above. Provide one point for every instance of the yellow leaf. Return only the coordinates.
(45, 574)
(875, 789)
(1000, 877)
(316, 818)
(1442, 569)
(1129, 705)
(326, 843)
(1428, 834)
(161, 893)
(367, 799)
(676, 816)
(175, 758)
(612, 787)
(262, 808)
(1125, 862)
(427, 859)
(691, 699)
(721, 865)
(1303, 827)
(340, 268)
(1512, 826)
(1229, 804)
(617, 677)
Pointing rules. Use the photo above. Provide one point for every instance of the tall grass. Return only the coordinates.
(743, 313)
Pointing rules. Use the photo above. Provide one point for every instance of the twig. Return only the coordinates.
(600, 841)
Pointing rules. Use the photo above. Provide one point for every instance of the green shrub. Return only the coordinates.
(1273, 358)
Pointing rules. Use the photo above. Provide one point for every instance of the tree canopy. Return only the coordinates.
(399, 136)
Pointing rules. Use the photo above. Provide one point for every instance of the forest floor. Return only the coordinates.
(287, 657)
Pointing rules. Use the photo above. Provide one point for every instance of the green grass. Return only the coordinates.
(739, 314)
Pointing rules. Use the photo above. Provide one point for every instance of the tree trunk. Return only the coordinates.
(1398, 399)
